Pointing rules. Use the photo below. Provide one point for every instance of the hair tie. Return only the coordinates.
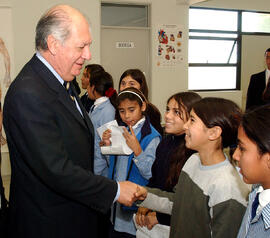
(132, 93)
(109, 92)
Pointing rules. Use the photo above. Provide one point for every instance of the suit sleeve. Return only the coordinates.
(35, 137)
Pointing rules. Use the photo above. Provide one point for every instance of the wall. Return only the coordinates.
(165, 80)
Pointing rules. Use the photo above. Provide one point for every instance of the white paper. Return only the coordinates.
(158, 231)
(118, 142)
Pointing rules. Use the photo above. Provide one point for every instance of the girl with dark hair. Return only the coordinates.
(143, 139)
(253, 157)
(135, 78)
(100, 89)
(210, 197)
(88, 71)
(171, 155)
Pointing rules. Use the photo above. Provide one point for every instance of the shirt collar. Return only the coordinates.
(267, 74)
(41, 58)
(264, 205)
(100, 100)
(141, 121)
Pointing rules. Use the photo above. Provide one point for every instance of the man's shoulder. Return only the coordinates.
(259, 75)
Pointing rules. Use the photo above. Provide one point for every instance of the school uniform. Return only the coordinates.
(133, 168)
(209, 201)
(259, 225)
(100, 113)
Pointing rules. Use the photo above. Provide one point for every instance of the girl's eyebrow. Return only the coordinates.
(238, 141)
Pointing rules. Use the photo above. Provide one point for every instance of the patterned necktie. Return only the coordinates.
(69, 90)
(266, 92)
(255, 205)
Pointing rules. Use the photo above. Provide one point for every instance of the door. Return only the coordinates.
(125, 48)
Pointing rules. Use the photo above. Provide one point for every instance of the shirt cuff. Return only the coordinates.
(118, 193)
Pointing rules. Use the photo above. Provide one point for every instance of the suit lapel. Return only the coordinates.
(47, 76)
(84, 112)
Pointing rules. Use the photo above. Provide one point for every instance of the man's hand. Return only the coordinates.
(127, 193)
(141, 193)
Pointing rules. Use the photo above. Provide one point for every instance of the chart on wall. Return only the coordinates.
(6, 59)
(169, 41)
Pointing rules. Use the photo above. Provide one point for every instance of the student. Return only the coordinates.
(210, 197)
(253, 156)
(101, 90)
(89, 70)
(171, 155)
(143, 139)
(135, 78)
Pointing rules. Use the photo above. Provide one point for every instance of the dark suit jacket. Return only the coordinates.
(53, 193)
(255, 90)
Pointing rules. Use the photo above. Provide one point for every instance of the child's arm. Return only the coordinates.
(155, 199)
(145, 159)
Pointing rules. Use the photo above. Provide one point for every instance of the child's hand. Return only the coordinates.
(151, 220)
(106, 138)
(132, 141)
(140, 215)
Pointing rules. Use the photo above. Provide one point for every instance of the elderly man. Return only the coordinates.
(54, 193)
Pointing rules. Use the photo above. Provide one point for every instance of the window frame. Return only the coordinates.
(238, 40)
(239, 33)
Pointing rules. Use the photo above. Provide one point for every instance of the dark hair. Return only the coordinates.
(256, 125)
(103, 83)
(137, 75)
(185, 101)
(131, 94)
(93, 68)
(220, 112)
(268, 50)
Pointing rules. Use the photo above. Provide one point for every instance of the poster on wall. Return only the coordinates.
(6, 61)
(169, 39)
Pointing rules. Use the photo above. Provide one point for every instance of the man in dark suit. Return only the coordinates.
(257, 85)
(54, 193)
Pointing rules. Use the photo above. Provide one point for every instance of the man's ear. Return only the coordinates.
(52, 44)
(214, 133)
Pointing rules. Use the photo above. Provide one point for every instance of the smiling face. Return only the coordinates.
(130, 111)
(253, 165)
(70, 55)
(196, 132)
(174, 124)
(128, 82)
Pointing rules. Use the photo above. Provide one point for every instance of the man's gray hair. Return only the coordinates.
(55, 22)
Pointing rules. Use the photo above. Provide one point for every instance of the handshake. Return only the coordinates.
(131, 192)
